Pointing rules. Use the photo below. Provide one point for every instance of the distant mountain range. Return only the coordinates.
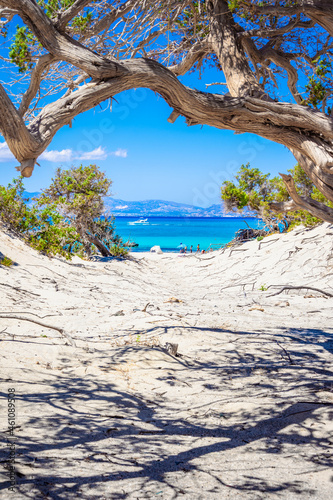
(160, 208)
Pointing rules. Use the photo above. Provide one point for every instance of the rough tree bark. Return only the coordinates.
(248, 107)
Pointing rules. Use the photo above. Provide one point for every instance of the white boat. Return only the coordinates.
(140, 221)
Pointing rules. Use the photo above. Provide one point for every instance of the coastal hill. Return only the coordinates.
(159, 208)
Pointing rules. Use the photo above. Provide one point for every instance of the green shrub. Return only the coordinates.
(44, 230)
(258, 192)
(67, 219)
(118, 251)
(6, 261)
(78, 194)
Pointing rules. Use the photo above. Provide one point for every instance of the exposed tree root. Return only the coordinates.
(289, 287)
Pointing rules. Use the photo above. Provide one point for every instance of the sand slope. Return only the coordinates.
(244, 411)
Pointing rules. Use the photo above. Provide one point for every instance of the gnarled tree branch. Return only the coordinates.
(246, 64)
(224, 41)
(60, 45)
(304, 203)
(196, 52)
(320, 11)
(21, 142)
(41, 65)
(64, 17)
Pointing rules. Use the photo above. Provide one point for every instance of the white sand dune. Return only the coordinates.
(243, 411)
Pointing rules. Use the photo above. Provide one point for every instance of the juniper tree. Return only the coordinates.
(68, 217)
(264, 195)
(77, 194)
(93, 50)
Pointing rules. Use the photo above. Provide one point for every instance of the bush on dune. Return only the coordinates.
(67, 219)
(267, 197)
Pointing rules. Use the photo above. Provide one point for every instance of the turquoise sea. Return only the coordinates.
(170, 232)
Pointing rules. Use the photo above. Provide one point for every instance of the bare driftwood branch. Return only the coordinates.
(290, 287)
(46, 325)
(28, 312)
(20, 289)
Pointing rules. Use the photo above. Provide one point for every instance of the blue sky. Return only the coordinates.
(149, 158)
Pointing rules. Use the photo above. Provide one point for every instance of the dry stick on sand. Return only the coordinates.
(52, 327)
(28, 312)
(289, 287)
(20, 289)
(45, 267)
(269, 241)
(286, 352)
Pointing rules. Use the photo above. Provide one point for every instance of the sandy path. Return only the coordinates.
(244, 411)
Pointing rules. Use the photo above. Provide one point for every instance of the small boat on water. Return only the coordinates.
(140, 221)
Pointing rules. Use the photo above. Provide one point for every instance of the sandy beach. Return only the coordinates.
(244, 408)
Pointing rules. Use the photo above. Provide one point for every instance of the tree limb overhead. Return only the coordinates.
(84, 52)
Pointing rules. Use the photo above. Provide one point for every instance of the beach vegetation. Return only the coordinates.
(274, 60)
(78, 195)
(268, 197)
(67, 218)
(43, 229)
(6, 261)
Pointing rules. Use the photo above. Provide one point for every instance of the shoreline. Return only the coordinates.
(184, 217)
(169, 233)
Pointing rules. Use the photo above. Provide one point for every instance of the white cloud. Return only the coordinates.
(56, 156)
(5, 153)
(96, 154)
(120, 152)
(65, 155)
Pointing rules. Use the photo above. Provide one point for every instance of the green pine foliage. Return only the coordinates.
(52, 6)
(24, 45)
(192, 16)
(257, 191)
(319, 86)
(20, 50)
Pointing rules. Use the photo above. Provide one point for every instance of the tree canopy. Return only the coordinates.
(83, 52)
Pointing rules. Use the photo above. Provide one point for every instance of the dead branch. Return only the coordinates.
(270, 241)
(286, 352)
(290, 287)
(46, 325)
(238, 250)
(28, 312)
(20, 289)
